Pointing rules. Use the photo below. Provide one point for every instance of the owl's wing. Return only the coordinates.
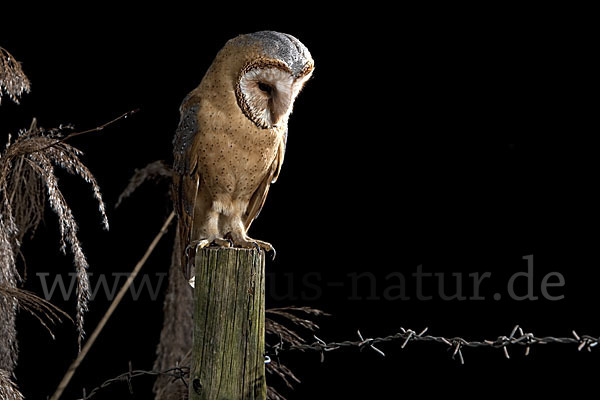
(257, 200)
(186, 178)
(280, 154)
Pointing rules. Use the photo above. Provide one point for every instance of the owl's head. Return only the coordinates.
(273, 73)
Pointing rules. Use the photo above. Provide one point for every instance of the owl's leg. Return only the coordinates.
(206, 225)
(240, 239)
(214, 233)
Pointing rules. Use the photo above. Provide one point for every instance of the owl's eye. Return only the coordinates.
(265, 88)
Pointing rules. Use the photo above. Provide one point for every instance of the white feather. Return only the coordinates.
(269, 114)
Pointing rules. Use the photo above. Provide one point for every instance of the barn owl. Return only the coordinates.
(231, 139)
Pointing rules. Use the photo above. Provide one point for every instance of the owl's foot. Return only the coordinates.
(202, 243)
(197, 244)
(249, 243)
(219, 242)
(194, 245)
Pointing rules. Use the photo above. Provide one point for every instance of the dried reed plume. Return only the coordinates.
(8, 390)
(277, 326)
(27, 167)
(155, 171)
(44, 311)
(175, 343)
(12, 79)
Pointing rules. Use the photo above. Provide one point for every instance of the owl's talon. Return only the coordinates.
(190, 255)
(254, 244)
(200, 244)
(195, 245)
(267, 247)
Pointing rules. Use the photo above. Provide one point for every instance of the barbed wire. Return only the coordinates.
(517, 337)
(177, 373)
(456, 344)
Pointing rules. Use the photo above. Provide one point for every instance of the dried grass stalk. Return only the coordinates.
(44, 311)
(154, 172)
(175, 344)
(174, 347)
(8, 277)
(275, 321)
(12, 79)
(8, 305)
(286, 334)
(26, 186)
(273, 394)
(8, 390)
(27, 166)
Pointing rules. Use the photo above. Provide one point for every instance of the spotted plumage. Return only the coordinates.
(230, 142)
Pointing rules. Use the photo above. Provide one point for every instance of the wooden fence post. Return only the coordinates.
(229, 325)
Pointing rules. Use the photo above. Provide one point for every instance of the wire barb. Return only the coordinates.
(368, 342)
(517, 337)
(177, 373)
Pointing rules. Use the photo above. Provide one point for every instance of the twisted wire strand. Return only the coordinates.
(177, 373)
(517, 337)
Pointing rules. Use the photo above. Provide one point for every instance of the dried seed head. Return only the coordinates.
(8, 390)
(27, 170)
(13, 81)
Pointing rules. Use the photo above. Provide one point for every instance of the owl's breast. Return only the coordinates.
(235, 156)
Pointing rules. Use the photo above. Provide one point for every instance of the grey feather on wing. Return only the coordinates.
(184, 136)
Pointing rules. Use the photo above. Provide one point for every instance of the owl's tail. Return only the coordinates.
(181, 192)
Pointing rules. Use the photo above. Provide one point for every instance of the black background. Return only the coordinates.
(454, 142)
